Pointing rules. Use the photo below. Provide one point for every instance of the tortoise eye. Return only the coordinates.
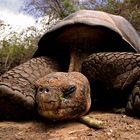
(69, 90)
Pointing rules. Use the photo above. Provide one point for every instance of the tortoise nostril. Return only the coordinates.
(69, 90)
(46, 90)
(43, 90)
(40, 89)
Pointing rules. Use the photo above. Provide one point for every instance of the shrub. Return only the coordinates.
(12, 55)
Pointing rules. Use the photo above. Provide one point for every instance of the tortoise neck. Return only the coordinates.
(74, 65)
(76, 59)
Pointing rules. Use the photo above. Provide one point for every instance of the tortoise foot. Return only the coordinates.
(13, 104)
(133, 104)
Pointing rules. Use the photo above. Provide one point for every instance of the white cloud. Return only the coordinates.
(9, 13)
(13, 19)
(17, 20)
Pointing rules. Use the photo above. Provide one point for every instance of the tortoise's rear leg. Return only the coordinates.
(17, 90)
(133, 104)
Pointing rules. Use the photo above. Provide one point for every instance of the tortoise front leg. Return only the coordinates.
(17, 87)
(120, 72)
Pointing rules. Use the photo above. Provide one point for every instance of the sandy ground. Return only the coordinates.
(117, 127)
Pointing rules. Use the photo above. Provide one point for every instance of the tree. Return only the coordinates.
(58, 9)
(53, 8)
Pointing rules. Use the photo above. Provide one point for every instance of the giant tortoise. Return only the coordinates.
(52, 84)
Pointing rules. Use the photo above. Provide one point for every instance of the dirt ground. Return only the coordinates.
(117, 127)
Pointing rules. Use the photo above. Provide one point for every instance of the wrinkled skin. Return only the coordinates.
(17, 87)
(119, 72)
(61, 95)
(68, 94)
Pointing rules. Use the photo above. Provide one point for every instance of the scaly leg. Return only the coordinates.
(119, 71)
(17, 90)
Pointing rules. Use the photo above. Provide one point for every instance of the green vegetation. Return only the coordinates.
(12, 55)
(16, 48)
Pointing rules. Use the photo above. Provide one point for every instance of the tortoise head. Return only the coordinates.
(63, 95)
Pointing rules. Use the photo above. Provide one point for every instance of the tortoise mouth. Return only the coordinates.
(61, 110)
(62, 113)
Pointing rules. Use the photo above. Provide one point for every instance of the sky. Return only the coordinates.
(9, 13)
(11, 5)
